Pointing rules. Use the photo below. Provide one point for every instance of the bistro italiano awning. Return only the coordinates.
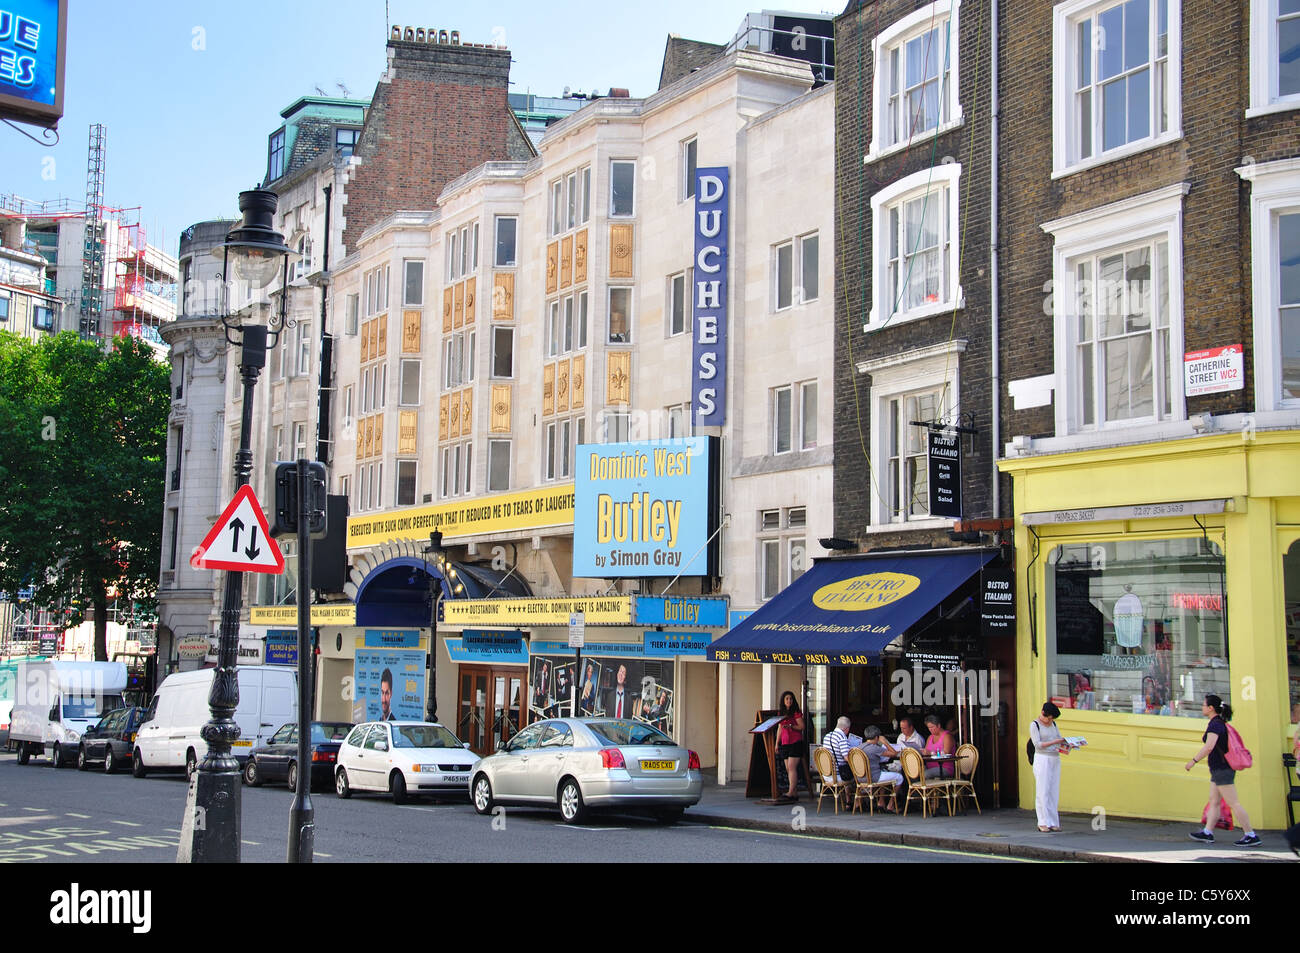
(846, 609)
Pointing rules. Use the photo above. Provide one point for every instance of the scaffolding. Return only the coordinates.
(92, 259)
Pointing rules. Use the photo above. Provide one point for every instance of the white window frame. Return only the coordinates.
(351, 312)
(414, 467)
(618, 419)
(939, 182)
(407, 264)
(494, 448)
(1264, 61)
(1152, 216)
(409, 365)
(1274, 191)
(557, 460)
(635, 190)
(1065, 65)
(689, 161)
(677, 422)
(895, 377)
(299, 440)
(503, 330)
(303, 364)
(687, 278)
(788, 539)
(609, 314)
(496, 242)
(900, 32)
(798, 441)
(798, 293)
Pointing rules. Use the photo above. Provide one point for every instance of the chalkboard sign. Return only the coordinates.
(945, 473)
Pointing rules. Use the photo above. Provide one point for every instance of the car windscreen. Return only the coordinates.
(423, 736)
(329, 731)
(628, 733)
(89, 706)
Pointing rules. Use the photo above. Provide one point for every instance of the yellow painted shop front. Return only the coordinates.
(1149, 576)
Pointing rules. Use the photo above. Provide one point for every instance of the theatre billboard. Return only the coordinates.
(645, 509)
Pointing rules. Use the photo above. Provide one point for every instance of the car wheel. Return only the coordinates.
(82, 765)
(398, 786)
(23, 754)
(191, 764)
(251, 775)
(110, 763)
(138, 770)
(670, 815)
(57, 755)
(341, 784)
(483, 794)
(571, 807)
(292, 777)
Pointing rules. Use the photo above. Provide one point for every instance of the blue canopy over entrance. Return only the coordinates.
(846, 609)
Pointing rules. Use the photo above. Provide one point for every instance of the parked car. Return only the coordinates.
(170, 736)
(581, 763)
(277, 760)
(110, 739)
(403, 758)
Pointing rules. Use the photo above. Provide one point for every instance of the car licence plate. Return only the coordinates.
(241, 744)
(658, 765)
(459, 778)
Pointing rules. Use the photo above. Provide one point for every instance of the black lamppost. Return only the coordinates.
(434, 549)
(258, 254)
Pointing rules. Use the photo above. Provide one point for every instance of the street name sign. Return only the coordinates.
(240, 541)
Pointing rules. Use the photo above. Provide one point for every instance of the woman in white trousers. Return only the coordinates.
(1048, 747)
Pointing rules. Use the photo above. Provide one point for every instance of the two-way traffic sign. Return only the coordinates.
(240, 541)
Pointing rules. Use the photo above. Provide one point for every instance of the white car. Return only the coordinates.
(403, 758)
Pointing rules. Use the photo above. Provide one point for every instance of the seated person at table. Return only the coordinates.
(940, 741)
(878, 750)
(837, 740)
(909, 736)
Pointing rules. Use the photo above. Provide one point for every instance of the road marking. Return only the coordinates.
(319, 854)
(127, 823)
(14, 821)
(172, 830)
(84, 817)
(859, 843)
(251, 843)
(575, 827)
(36, 810)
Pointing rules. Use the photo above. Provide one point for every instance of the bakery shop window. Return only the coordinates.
(1137, 626)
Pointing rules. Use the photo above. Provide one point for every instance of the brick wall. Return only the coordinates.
(440, 111)
(856, 182)
(1216, 137)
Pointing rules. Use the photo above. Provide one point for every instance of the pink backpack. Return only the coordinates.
(1238, 756)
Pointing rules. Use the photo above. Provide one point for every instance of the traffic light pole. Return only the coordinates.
(302, 815)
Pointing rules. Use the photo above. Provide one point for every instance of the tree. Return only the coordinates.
(84, 432)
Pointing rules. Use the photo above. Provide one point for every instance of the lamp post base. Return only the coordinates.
(211, 835)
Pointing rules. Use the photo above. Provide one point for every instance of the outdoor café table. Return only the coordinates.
(938, 757)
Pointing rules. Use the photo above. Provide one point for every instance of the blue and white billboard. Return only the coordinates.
(642, 509)
(32, 51)
(709, 297)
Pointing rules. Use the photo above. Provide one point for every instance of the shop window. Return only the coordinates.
(1291, 619)
(1137, 626)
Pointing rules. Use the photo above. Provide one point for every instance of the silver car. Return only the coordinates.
(581, 763)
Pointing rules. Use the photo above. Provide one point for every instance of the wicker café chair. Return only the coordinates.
(824, 762)
(968, 759)
(866, 789)
(918, 785)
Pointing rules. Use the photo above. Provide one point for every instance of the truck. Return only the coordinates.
(54, 702)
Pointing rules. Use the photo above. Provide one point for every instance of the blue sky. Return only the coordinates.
(189, 91)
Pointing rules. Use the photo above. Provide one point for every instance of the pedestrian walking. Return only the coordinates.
(1223, 778)
(1048, 748)
(790, 748)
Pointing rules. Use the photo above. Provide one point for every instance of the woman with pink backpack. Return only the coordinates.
(1226, 755)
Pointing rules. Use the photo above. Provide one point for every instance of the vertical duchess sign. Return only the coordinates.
(709, 297)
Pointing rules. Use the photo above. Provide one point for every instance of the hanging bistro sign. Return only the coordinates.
(644, 509)
(945, 472)
(997, 602)
(709, 297)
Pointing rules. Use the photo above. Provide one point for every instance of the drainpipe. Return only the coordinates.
(994, 317)
(325, 385)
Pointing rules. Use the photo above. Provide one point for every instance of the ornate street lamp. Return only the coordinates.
(257, 254)
(434, 549)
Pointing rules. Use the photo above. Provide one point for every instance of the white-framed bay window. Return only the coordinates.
(1274, 56)
(915, 227)
(560, 439)
(918, 385)
(1275, 281)
(1115, 79)
(457, 469)
(914, 86)
(1117, 279)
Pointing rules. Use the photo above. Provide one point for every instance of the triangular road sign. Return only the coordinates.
(240, 541)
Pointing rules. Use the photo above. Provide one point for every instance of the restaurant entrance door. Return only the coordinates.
(489, 705)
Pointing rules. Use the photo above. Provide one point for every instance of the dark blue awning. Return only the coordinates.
(845, 609)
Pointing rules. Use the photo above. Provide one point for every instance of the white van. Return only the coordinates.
(169, 737)
(54, 702)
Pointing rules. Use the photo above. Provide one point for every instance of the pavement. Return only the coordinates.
(1005, 832)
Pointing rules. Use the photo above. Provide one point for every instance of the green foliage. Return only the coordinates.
(84, 437)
